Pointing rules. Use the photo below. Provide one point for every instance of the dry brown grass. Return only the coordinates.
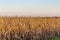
(29, 28)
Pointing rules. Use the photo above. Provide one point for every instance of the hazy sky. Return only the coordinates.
(30, 7)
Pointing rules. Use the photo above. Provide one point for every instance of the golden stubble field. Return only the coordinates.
(43, 27)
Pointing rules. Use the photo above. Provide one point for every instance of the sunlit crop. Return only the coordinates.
(29, 28)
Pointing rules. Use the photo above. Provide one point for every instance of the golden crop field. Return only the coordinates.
(29, 28)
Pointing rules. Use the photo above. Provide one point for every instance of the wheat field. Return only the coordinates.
(29, 28)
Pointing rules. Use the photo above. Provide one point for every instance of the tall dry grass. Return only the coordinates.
(29, 28)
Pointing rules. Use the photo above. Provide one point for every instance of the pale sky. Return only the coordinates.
(29, 7)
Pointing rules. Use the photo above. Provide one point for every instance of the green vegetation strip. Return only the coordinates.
(56, 38)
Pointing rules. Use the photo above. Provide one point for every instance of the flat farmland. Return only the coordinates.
(29, 28)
